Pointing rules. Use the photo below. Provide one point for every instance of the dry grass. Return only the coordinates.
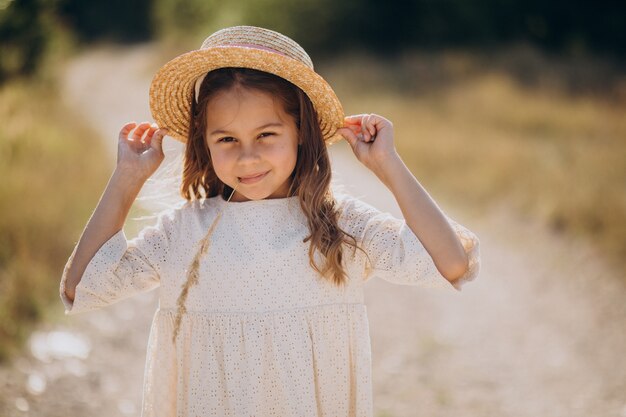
(52, 176)
(476, 131)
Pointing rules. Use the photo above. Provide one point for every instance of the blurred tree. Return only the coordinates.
(392, 25)
(28, 28)
(324, 27)
(25, 30)
(190, 18)
(115, 20)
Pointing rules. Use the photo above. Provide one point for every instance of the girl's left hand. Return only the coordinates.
(371, 138)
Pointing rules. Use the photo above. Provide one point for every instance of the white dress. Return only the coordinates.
(264, 335)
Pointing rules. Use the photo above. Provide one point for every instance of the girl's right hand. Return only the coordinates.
(140, 154)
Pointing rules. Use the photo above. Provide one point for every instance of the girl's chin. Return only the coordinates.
(246, 192)
(239, 196)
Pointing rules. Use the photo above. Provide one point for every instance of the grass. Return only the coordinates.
(53, 175)
(550, 142)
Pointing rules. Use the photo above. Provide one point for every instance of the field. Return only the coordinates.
(543, 136)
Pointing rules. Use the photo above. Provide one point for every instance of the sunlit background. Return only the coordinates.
(511, 113)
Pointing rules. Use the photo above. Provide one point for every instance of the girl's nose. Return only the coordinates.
(249, 154)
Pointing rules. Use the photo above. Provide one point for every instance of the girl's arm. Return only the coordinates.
(107, 219)
(425, 219)
(374, 148)
(137, 160)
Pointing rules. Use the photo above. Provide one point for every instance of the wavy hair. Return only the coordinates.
(310, 180)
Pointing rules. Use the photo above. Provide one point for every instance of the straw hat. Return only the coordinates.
(177, 82)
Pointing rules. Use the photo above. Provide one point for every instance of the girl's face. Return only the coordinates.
(253, 143)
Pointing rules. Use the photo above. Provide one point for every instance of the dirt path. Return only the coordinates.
(541, 332)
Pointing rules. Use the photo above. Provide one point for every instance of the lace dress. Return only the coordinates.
(264, 335)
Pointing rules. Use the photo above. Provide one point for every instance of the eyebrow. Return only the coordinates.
(272, 124)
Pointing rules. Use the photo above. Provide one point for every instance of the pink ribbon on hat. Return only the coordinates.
(247, 45)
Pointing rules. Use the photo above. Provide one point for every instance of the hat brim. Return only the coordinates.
(172, 87)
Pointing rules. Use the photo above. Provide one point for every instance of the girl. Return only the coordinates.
(261, 272)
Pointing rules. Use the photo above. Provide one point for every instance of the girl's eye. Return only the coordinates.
(228, 139)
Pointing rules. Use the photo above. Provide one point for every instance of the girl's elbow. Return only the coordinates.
(69, 289)
(70, 293)
(69, 283)
(457, 270)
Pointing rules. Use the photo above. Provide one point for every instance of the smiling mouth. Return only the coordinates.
(252, 179)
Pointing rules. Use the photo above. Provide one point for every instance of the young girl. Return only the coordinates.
(261, 272)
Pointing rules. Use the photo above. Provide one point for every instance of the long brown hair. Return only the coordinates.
(311, 177)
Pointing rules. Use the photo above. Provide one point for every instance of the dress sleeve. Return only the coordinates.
(395, 254)
(121, 268)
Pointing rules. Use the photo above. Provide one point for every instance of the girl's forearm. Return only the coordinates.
(425, 218)
(107, 219)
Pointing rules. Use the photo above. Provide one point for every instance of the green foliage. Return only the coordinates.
(52, 176)
(181, 18)
(314, 23)
(323, 27)
(26, 28)
(112, 20)
(326, 27)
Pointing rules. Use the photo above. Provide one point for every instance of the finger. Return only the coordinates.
(348, 135)
(356, 129)
(157, 140)
(150, 132)
(140, 130)
(353, 125)
(355, 116)
(365, 122)
(354, 119)
(371, 126)
(126, 129)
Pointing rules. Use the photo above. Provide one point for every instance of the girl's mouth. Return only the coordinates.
(252, 178)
